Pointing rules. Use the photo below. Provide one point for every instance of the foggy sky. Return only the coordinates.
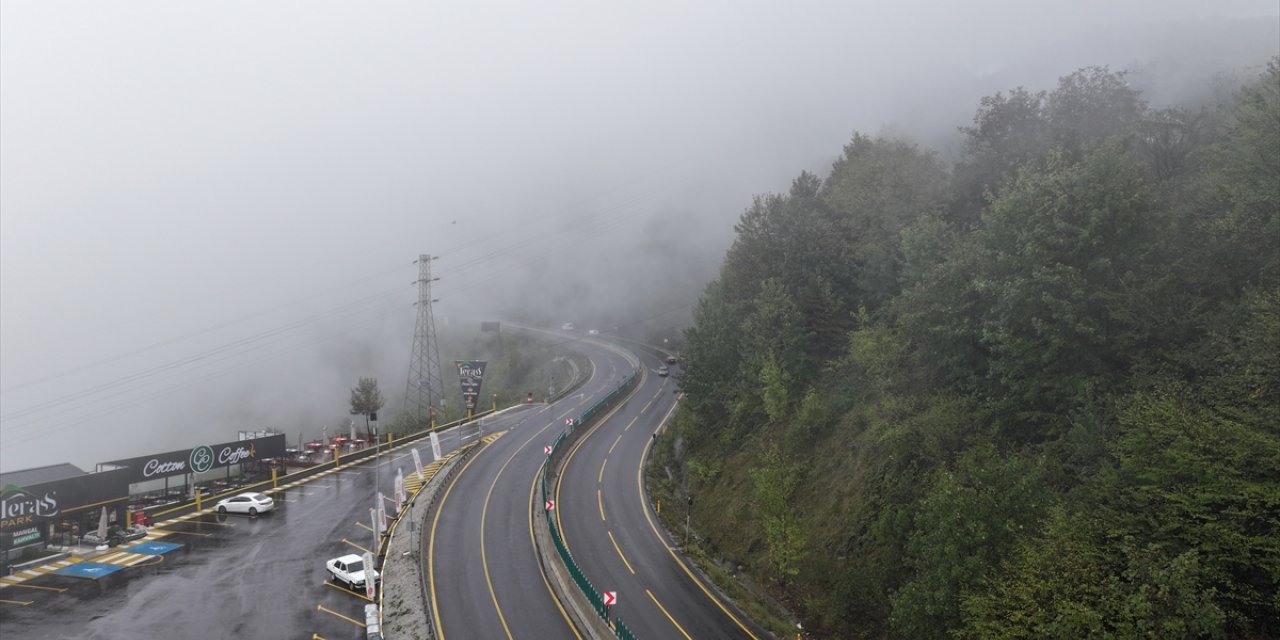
(208, 211)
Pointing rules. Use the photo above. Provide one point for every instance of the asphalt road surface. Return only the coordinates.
(483, 572)
(612, 533)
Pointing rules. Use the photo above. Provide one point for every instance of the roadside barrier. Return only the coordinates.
(593, 597)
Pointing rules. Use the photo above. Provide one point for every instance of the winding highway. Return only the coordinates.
(264, 577)
(607, 523)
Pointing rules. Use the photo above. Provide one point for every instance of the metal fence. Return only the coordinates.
(594, 597)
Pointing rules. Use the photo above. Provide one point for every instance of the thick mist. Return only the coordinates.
(209, 213)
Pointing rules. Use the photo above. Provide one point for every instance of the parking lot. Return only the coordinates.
(219, 575)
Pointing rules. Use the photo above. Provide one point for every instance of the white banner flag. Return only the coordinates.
(417, 463)
(368, 575)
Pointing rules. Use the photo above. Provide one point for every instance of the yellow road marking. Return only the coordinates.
(619, 550)
(616, 441)
(366, 527)
(333, 585)
(484, 515)
(431, 549)
(668, 615)
(320, 607)
(633, 421)
(533, 486)
(191, 533)
(577, 445)
(21, 603)
(600, 499)
(32, 586)
(356, 545)
(600, 478)
(671, 551)
(203, 522)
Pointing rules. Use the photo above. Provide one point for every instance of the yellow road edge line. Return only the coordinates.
(431, 549)
(670, 550)
(564, 466)
(533, 487)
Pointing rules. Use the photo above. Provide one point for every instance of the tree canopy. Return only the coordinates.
(1031, 393)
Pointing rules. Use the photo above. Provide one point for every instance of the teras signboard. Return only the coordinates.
(471, 373)
(202, 458)
(24, 507)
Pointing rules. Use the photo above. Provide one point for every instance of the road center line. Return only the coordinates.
(668, 614)
(619, 550)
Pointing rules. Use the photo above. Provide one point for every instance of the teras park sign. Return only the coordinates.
(471, 373)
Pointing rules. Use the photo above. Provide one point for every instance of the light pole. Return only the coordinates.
(688, 508)
(377, 484)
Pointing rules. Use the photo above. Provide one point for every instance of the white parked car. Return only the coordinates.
(350, 570)
(250, 503)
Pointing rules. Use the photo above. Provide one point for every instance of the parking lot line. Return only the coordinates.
(356, 545)
(33, 586)
(320, 607)
(357, 594)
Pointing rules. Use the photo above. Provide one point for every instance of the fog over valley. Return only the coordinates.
(209, 213)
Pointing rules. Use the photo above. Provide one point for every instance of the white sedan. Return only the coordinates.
(250, 503)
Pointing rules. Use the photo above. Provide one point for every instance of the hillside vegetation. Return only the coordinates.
(1034, 393)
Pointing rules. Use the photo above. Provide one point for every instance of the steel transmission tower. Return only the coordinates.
(425, 388)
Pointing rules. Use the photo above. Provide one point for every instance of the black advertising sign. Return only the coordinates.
(24, 507)
(202, 458)
(471, 373)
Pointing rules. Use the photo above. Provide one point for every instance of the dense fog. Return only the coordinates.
(209, 213)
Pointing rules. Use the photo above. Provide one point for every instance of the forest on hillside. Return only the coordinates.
(1030, 393)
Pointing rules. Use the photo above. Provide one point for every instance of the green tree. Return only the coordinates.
(878, 188)
(967, 522)
(366, 399)
(1069, 584)
(774, 481)
(1065, 250)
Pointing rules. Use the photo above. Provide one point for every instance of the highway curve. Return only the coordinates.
(614, 536)
(483, 573)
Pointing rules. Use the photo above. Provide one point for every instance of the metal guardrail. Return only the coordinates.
(593, 596)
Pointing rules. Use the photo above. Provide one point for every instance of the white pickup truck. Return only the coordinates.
(349, 570)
